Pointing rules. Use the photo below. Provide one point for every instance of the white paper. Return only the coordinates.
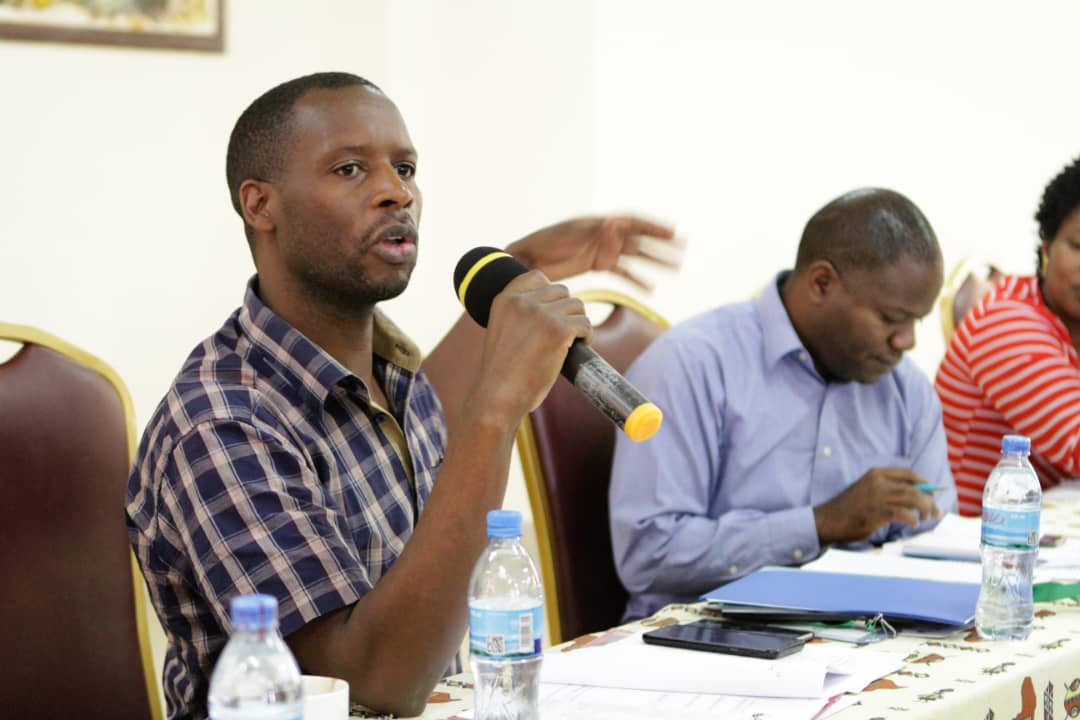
(818, 671)
(1068, 490)
(893, 565)
(571, 702)
(954, 538)
(575, 702)
(959, 537)
(1060, 563)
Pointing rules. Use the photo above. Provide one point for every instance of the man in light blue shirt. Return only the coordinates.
(792, 422)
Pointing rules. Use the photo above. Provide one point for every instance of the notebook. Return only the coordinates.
(954, 538)
(857, 596)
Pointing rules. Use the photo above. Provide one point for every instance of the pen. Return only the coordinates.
(928, 488)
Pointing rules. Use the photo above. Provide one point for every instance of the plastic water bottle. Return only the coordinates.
(256, 675)
(1012, 500)
(506, 601)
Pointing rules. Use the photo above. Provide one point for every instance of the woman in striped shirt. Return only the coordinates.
(1012, 367)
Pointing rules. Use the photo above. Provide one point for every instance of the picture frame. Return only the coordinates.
(170, 24)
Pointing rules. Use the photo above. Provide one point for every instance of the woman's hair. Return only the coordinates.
(1060, 198)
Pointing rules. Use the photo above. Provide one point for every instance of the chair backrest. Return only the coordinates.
(566, 447)
(967, 283)
(73, 617)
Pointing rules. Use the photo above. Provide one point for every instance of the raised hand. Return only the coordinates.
(597, 243)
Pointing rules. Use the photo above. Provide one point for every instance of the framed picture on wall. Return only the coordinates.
(183, 24)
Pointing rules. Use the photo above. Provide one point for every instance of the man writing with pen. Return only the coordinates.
(793, 421)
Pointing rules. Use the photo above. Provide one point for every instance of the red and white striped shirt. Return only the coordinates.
(1010, 368)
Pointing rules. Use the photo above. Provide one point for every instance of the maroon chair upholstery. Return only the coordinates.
(566, 448)
(70, 641)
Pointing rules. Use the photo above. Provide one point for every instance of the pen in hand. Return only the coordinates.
(928, 488)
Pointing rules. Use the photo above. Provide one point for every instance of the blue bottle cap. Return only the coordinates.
(504, 523)
(1012, 444)
(253, 612)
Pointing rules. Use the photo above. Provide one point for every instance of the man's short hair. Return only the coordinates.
(867, 229)
(261, 134)
(1060, 198)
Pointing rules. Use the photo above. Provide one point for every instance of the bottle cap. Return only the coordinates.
(1012, 444)
(643, 422)
(504, 523)
(253, 612)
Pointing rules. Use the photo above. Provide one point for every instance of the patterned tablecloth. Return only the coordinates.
(959, 677)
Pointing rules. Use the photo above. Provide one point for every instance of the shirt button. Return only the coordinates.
(802, 356)
(826, 451)
(797, 554)
(732, 570)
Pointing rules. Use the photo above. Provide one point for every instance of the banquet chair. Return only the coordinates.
(967, 283)
(74, 636)
(566, 448)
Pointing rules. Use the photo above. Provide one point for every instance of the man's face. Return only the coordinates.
(349, 202)
(869, 318)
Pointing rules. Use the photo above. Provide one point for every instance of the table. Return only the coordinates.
(959, 677)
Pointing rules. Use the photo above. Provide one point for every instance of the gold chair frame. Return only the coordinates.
(29, 335)
(534, 484)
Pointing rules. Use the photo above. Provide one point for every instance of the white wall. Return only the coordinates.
(740, 119)
(117, 233)
(733, 120)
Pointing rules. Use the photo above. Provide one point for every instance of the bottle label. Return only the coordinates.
(1017, 529)
(505, 633)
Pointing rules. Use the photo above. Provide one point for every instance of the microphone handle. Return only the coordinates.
(602, 384)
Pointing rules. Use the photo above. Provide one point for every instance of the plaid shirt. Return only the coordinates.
(266, 469)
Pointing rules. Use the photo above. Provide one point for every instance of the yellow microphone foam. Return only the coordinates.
(643, 422)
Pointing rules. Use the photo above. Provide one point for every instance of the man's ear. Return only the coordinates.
(821, 279)
(255, 202)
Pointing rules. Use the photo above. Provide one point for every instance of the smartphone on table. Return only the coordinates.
(721, 637)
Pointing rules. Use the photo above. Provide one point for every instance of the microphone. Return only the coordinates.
(483, 272)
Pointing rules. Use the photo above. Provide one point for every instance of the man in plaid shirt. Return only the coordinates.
(297, 452)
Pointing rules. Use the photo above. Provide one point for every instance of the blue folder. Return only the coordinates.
(945, 603)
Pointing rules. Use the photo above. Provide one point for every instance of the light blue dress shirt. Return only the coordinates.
(753, 439)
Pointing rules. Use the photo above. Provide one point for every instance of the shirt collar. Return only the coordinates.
(778, 334)
(315, 370)
(391, 344)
